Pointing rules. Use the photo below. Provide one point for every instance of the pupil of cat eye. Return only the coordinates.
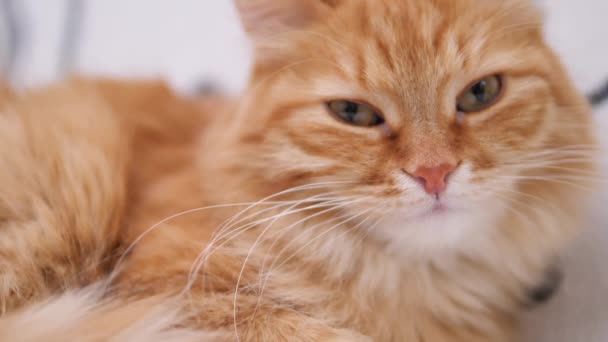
(355, 113)
(481, 95)
(480, 90)
(351, 107)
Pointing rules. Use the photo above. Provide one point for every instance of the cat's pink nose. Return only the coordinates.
(434, 179)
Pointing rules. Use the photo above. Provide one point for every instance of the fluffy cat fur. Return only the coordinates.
(129, 214)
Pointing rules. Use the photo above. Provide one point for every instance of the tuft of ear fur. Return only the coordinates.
(263, 17)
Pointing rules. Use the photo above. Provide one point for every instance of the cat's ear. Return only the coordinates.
(266, 17)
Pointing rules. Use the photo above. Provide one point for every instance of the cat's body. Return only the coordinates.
(319, 225)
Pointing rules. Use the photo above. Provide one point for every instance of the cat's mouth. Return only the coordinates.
(438, 209)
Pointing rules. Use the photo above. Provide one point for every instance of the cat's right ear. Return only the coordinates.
(262, 18)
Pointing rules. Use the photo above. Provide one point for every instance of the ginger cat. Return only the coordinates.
(397, 171)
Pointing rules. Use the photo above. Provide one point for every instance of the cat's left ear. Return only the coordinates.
(267, 17)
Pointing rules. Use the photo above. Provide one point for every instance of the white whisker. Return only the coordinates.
(211, 247)
(317, 238)
(247, 259)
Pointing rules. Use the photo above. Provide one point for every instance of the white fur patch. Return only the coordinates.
(84, 316)
(413, 231)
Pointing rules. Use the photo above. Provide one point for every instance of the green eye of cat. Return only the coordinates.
(481, 95)
(355, 113)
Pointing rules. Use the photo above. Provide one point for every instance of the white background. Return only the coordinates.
(187, 41)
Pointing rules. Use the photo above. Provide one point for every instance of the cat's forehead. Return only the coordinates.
(413, 47)
(413, 31)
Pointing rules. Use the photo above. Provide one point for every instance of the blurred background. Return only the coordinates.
(183, 41)
(193, 43)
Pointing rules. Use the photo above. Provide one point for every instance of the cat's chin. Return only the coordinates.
(433, 230)
(437, 211)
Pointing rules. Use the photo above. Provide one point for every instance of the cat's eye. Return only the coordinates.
(355, 113)
(481, 95)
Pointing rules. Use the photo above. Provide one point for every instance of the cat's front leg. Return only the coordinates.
(303, 332)
(267, 320)
(285, 326)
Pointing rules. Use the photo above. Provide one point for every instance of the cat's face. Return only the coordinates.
(423, 112)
